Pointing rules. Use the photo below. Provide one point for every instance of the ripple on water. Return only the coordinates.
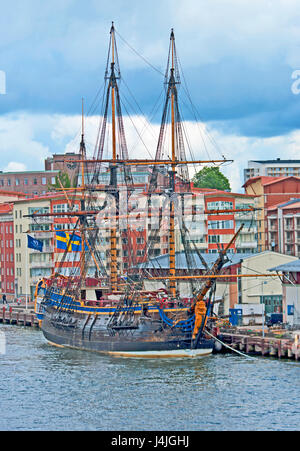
(45, 387)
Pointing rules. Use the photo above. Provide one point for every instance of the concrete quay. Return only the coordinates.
(18, 315)
(278, 343)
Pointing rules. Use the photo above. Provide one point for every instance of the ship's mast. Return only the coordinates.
(113, 168)
(82, 220)
(172, 85)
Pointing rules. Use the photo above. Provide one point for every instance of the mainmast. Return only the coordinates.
(172, 86)
(113, 168)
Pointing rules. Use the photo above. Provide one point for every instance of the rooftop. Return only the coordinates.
(218, 192)
(28, 172)
(277, 160)
(268, 180)
(162, 261)
(47, 197)
(293, 203)
(288, 267)
(11, 193)
(6, 208)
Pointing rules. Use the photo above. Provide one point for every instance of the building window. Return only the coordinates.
(25, 181)
(214, 238)
(220, 224)
(35, 181)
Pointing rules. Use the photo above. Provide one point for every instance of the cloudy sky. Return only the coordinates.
(238, 59)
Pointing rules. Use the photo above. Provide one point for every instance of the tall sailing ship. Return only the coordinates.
(117, 310)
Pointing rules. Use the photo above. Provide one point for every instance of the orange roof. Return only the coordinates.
(295, 205)
(221, 192)
(268, 180)
(6, 208)
(12, 193)
(47, 196)
(286, 205)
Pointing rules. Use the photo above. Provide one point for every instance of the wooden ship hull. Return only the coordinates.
(100, 329)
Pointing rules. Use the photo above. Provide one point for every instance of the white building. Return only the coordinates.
(272, 168)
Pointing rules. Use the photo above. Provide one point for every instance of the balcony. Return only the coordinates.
(42, 220)
(273, 228)
(41, 265)
(41, 235)
(289, 226)
(48, 249)
(247, 244)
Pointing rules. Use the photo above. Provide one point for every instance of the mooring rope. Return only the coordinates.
(229, 347)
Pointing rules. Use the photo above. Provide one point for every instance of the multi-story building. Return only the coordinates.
(32, 183)
(272, 168)
(7, 241)
(30, 264)
(270, 191)
(7, 250)
(283, 227)
(220, 228)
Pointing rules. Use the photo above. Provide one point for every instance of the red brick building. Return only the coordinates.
(32, 183)
(7, 250)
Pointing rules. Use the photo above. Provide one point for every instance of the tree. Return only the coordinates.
(211, 177)
(64, 181)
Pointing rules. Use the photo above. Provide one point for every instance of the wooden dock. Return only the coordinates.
(18, 316)
(287, 346)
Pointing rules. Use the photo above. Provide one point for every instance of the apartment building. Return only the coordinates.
(31, 265)
(283, 227)
(220, 228)
(272, 168)
(7, 285)
(31, 183)
(270, 191)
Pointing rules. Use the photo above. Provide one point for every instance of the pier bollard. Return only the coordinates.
(272, 350)
(24, 319)
(3, 314)
(264, 347)
(279, 351)
(296, 343)
(10, 314)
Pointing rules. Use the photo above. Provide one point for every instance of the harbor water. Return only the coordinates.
(49, 388)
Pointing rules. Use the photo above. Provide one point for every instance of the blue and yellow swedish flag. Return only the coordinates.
(68, 241)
